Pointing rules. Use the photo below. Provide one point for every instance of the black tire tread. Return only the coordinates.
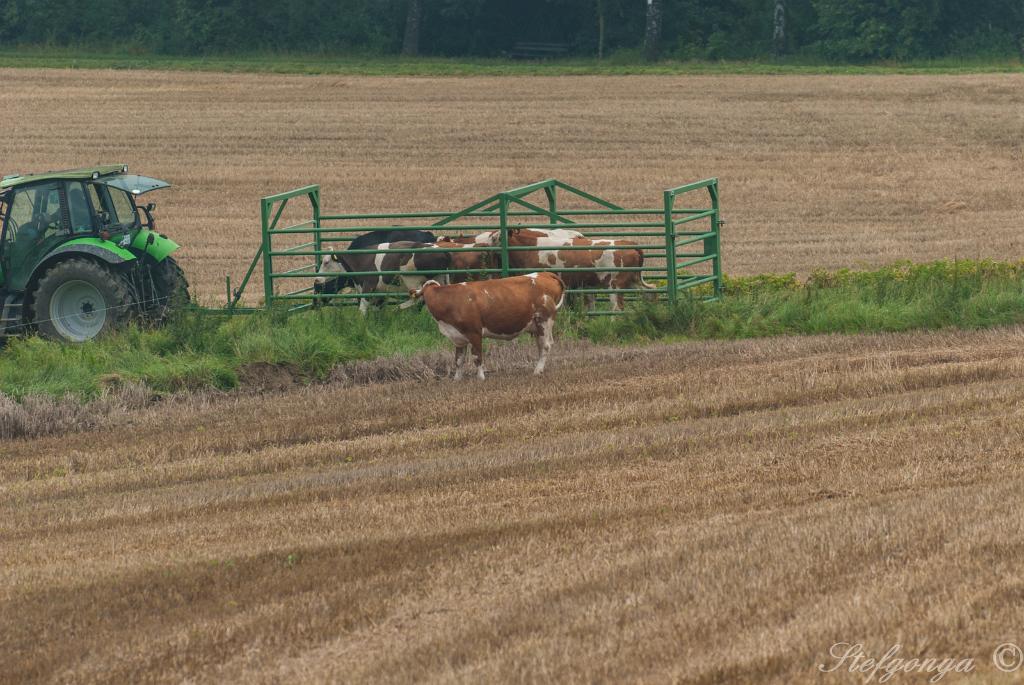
(173, 285)
(120, 307)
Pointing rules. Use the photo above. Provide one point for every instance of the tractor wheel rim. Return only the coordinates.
(78, 310)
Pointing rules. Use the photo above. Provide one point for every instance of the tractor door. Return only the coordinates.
(36, 223)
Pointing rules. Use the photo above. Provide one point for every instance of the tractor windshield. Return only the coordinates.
(117, 206)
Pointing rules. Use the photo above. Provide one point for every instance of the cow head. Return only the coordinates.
(416, 294)
(488, 239)
(329, 264)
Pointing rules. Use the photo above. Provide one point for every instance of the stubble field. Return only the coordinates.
(816, 171)
(699, 512)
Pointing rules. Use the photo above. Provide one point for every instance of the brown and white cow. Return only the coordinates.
(368, 241)
(544, 236)
(503, 308)
(435, 262)
(464, 258)
(606, 252)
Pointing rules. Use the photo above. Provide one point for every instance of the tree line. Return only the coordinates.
(837, 30)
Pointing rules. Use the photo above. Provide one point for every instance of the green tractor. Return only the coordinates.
(79, 256)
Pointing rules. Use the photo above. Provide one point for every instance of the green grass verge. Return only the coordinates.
(200, 350)
(64, 58)
(901, 297)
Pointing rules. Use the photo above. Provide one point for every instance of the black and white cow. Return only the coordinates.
(435, 262)
(368, 241)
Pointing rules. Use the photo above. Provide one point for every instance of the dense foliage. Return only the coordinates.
(838, 30)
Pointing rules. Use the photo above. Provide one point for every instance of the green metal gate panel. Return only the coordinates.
(683, 242)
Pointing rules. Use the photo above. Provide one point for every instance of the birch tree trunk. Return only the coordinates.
(411, 43)
(652, 35)
(779, 27)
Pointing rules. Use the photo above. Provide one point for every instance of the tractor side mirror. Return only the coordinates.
(148, 209)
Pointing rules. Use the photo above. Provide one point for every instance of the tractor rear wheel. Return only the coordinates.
(171, 289)
(78, 299)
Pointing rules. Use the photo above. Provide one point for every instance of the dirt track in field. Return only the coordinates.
(816, 171)
(703, 511)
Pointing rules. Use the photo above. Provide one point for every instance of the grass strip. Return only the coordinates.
(208, 350)
(381, 65)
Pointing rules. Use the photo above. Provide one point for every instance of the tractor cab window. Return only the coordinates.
(94, 198)
(117, 205)
(34, 219)
(78, 208)
(124, 208)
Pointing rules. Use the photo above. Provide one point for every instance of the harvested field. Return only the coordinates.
(816, 171)
(699, 511)
(721, 511)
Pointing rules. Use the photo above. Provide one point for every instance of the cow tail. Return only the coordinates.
(643, 282)
(561, 300)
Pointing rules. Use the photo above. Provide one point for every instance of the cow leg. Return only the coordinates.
(543, 337)
(365, 287)
(460, 356)
(623, 280)
(477, 343)
(590, 301)
(318, 287)
(368, 286)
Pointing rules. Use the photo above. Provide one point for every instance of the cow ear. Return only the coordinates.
(335, 258)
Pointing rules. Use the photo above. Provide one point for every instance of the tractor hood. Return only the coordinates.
(136, 185)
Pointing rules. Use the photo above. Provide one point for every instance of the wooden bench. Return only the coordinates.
(538, 50)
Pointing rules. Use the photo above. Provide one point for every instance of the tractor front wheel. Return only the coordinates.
(77, 300)
(171, 289)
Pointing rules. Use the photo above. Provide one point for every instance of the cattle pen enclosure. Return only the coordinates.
(678, 253)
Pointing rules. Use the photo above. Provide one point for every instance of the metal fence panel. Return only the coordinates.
(659, 233)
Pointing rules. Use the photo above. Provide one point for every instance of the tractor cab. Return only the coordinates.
(90, 217)
(41, 211)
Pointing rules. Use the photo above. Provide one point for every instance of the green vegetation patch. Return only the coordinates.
(209, 350)
(382, 65)
(900, 297)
